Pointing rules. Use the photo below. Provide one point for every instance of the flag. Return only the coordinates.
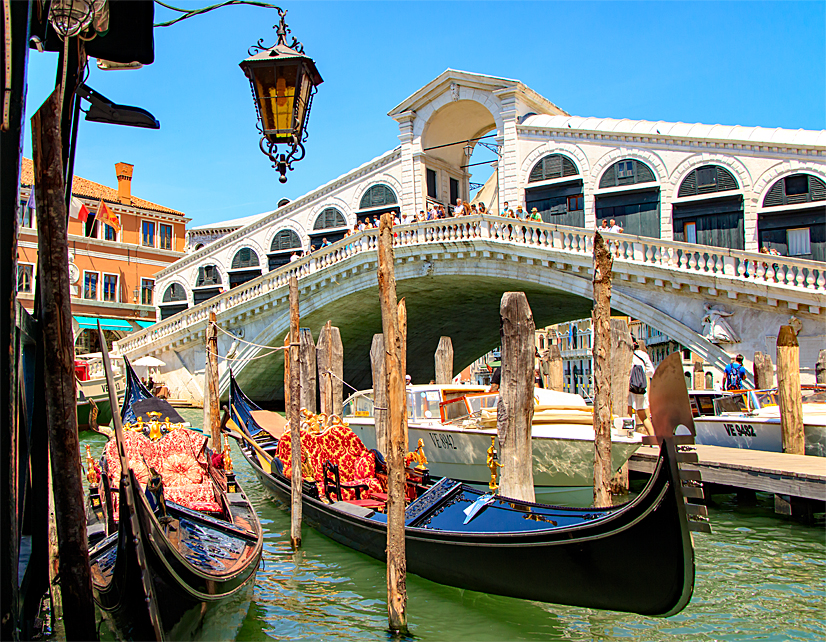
(30, 203)
(78, 209)
(105, 215)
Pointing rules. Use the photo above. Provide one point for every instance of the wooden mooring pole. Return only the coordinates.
(380, 416)
(514, 414)
(556, 373)
(212, 415)
(788, 388)
(763, 371)
(330, 359)
(61, 416)
(820, 367)
(601, 323)
(444, 360)
(397, 405)
(309, 372)
(295, 418)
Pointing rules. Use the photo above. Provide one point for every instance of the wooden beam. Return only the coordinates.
(212, 400)
(56, 323)
(444, 360)
(788, 388)
(380, 416)
(515, 409)
(295, 419)
(601, 324)
(397, 404)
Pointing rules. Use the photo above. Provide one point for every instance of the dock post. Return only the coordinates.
(699, 376)
(601, 323)
(308, 370)
(788, 388)
(330, 359)
(402, 312)
(295, 419)
(514, 414)
(622, 352)
(763, 371)
(444, 361)
(212, 400)
(556, 373)
(397, 405)
(380, 416)
(820, 367)
(61, 414)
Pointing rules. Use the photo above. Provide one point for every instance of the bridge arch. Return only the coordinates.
(440, 108)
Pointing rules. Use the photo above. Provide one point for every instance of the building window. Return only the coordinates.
(690, 231)
(208, 276)
(626, 172)
(796, 185)
(794, 190)
(706, 177)
(147, 287)
(26, 218)
(454, 191)
(625, 169)
(798, 241)
(148, 234)
(91, 229)
(244, 258)
(552, 166)
(110, 287)
(109, 233)
(431, 184)
(378, 196)
(706, 180)
(90, 285)
(165, 236)
(25, 277)
(709, 381)
(329, 218)
(576, 203)
(175, 292)
(285, 240)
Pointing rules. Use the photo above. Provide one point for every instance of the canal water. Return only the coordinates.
(757, 577)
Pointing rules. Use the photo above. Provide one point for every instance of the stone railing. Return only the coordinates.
(684, 260)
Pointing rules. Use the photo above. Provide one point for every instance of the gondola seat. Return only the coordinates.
(341, 446)
(179, 457)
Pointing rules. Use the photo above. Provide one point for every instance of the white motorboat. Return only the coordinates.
(456, 423)
(751, 419)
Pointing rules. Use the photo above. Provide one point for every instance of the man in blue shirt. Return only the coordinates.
(735, 374)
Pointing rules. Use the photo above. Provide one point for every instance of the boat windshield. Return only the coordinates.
(359, 405)
(478, 402)
(455, 409)
(423, 404)
(817, 395)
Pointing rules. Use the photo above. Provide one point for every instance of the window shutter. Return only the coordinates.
(377, 196)
(285, 240)
(813, 189)
(174, 292)
(609, 177)
(244, 258)
(775, 195)
(722, 181)
(552, 166)
(330, 217)
(689, 185)
(817, 189)
(643, 173)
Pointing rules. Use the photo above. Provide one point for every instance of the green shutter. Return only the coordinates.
(244, 258)
(552, 166)
(377, 196)
(330, 217)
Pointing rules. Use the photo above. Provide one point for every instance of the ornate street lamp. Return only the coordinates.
(283, 82)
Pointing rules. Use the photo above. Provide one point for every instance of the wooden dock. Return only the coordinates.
(798, 482)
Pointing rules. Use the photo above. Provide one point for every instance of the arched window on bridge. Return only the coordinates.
(715, 220)
(173, 300)
(284, 243)
(377, 200)
(791, 220)
(559, 198)
(330, 225)
(637, 211)
(207, 284)
(245, 267)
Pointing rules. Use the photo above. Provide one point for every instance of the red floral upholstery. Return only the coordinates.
(339, 445)
(178, 456)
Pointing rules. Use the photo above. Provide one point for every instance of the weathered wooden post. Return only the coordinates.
(699, 376)
(402, 312)
(556, 373)
(380, 416)
(820, 367)
(514, 414)
(788, 388)
(397, 404)
(444, 360)
(287, 376)
(763, 371)
(622, 352)
(295, 418)
(212, 418)
(330, 358)
(61, 415)
(307, 368)
(601, 323)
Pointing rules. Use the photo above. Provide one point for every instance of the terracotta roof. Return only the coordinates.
(89, 189)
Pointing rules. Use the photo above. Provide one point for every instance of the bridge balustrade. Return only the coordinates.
(683, 258)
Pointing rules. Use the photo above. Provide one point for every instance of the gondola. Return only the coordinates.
(162, 569)
(637, 557)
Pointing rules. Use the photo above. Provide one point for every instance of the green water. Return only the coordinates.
(758, 577)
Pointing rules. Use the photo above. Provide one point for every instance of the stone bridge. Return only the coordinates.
(453, 273)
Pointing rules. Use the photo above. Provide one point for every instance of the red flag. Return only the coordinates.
(105, 215)
(78, 209)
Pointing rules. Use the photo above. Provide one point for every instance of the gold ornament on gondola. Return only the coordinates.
(91, 473)
(227, 456)
(493, 464)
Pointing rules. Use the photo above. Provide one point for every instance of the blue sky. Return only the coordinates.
(731, 63)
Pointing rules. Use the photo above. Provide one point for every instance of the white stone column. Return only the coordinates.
(509, 162)
(750, 215)
(408, 195)
(666, 222)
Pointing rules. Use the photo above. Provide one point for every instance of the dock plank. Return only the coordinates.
(779, 473)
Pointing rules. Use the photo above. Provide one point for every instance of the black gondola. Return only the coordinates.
(637, 557)
(165, 571)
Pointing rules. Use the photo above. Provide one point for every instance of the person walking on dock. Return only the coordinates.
(638, 388)
(735, 374)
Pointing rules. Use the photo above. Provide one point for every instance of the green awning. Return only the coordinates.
(91, 323)
(145, 324)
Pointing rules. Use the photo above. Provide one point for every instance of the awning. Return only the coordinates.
(91, 323)
(144, 324)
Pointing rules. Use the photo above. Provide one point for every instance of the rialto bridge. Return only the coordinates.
(453, 273)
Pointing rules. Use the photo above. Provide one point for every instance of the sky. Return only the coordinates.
(732, 63)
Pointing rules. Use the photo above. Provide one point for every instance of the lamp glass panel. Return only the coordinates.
(275, 90)
(304, 98)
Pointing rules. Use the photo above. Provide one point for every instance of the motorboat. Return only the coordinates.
(751, 419)
(456, 424)
(93, 396)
